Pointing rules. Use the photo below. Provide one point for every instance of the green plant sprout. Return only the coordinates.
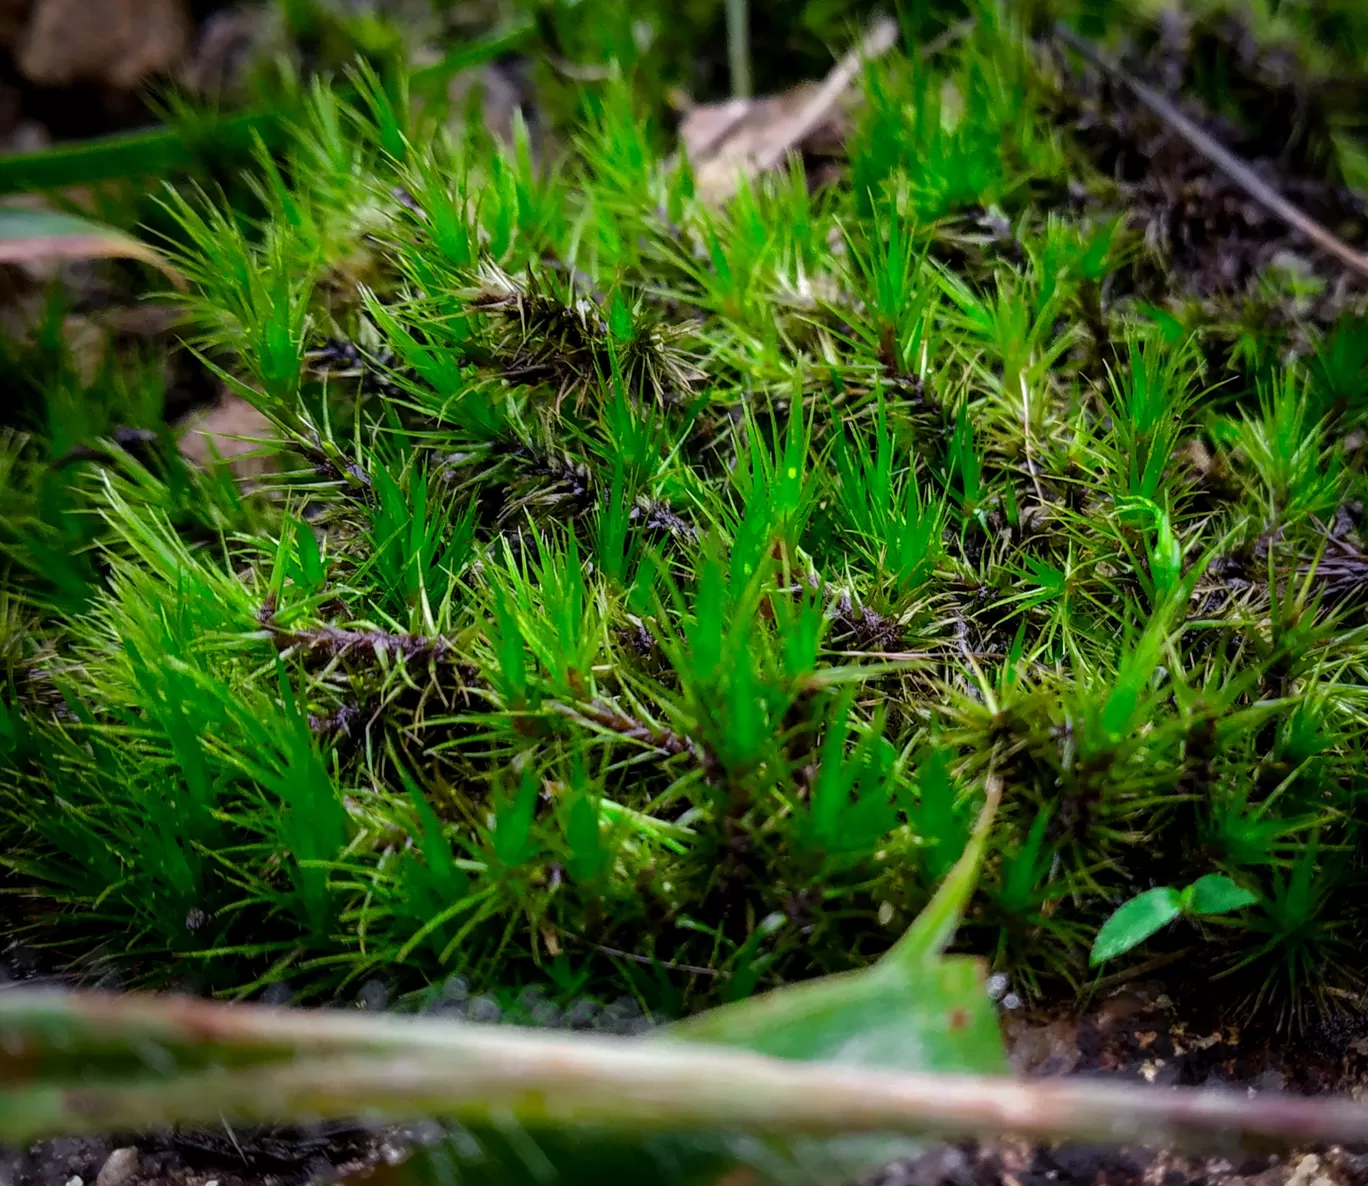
(1148, 912)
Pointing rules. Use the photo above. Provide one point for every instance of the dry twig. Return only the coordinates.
(1220, 156)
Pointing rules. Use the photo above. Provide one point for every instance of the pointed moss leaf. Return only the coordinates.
(1119, 709)
(38, 236)
(588, 857)
(939, 819)
(1135, 922)
(511, 839)
(1216, 894)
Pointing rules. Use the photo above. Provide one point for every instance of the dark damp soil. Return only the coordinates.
(1140, 1033)
(1213, 237)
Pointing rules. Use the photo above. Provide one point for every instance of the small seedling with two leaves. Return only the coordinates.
(1146, 913)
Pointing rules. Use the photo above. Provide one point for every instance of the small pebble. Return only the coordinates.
(75, 1180)
(483, 1010)
(621, 1014)
(374, 996)
(545, 1015)
(626, 1007)
(531, 997)
(581, 1015)
(120, 1167)
(614, 1020)
(278, 993)
(456, 988)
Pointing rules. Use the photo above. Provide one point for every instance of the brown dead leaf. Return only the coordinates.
(232, 430)
(147, 319)
(37, 237)
(746, 137)
(120, 43)
(725, 141)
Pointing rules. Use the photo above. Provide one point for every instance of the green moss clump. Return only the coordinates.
(644, 590)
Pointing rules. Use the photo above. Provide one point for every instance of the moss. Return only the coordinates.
(646, 589)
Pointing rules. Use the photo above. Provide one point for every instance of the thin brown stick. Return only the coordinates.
(1220, 156)
(605, 716)
(647, 961)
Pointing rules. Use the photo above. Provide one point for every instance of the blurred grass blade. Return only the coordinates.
(124, 155)
(88, 1063)
(936, 925)
(35, 236)
(912, 1010)
(161, 151)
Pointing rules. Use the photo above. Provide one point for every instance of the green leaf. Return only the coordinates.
(30, 236)
(1216, 894)
(511, 840)
(1135, 922)
(935, 926)
(588, 857)
(937, 1019)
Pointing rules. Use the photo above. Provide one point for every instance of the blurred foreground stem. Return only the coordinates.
(79, 1063)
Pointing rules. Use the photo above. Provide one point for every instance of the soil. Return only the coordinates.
(1213, 238)
(1138, 1033)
